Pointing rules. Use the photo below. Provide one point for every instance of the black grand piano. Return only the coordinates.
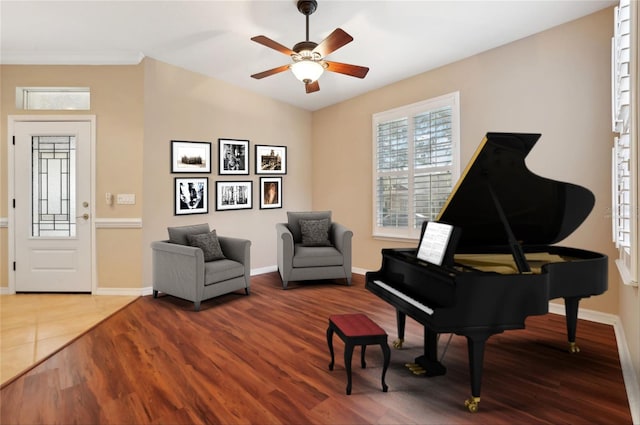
(502, 265)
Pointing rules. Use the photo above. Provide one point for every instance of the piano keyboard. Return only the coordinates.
(404, 297)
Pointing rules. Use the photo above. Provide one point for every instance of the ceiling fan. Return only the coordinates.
(308, 57)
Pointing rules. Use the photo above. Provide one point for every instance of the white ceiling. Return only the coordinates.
(395, 39)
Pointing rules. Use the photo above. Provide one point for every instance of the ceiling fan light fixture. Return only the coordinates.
(308, 56)
(307, 70)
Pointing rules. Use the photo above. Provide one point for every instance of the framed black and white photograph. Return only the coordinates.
(234, 195)
(271, 159)
(270, 192)
(191, 195)
(233, 156)
(190, 157)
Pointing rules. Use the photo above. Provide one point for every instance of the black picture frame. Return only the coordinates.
(270, 192)
(270, 159)
(191, 195)
(234, 195)
(233, 157)
(190, 157)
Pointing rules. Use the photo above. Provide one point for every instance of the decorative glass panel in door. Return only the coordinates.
(53, 186)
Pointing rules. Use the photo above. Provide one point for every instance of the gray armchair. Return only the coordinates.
(311, 247)
(180, 269)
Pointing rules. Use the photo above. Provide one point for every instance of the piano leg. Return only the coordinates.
(475, 346)
(401, 320)
(571, 313)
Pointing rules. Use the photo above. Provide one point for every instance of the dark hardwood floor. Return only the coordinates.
(263, 359)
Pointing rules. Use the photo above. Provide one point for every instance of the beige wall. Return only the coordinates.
(139, 110)
(182, 105)
(556, 83)
(116, 101)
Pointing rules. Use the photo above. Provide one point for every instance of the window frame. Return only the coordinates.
(410, 233)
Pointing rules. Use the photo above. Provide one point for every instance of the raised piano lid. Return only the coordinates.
(540, 211)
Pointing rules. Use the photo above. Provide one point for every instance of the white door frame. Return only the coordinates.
(12, 120)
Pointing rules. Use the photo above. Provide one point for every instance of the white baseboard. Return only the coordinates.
(131, 292)
(358, 270)
(263, 270)
(586, 314)
(630, 375)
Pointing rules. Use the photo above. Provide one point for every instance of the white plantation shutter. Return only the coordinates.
(433, 161)
(624, 171)
(415, 164)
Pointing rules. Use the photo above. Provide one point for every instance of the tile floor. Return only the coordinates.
(33, 326)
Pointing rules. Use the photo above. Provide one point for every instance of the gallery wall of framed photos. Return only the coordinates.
(191, 192)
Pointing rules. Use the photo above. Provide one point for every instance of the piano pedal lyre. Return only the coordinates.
(415, 368)
(573, 348)
(472, 404)
(398, 343)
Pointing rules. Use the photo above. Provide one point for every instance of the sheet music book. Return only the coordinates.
(434, 242)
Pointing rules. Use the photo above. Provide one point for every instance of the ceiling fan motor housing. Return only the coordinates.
(304, 45)
(307, 7)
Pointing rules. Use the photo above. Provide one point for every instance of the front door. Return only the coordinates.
(52, 192)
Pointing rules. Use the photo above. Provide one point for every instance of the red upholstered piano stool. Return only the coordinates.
(357, 324)
(357, 329)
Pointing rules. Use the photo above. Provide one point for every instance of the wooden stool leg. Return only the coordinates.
(348, 353)
(362, 362)
(387, 355)
(330, 344)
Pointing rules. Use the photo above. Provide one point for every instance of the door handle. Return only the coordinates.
(84, 216)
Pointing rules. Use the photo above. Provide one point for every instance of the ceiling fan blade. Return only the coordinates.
(263, 74)
(312, 87)
(345, 68)
(333, 42)
(266, 41)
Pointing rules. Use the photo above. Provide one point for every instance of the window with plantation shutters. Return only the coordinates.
(624, 172)
(416, 149)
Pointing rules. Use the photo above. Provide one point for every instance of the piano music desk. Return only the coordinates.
(357, 329)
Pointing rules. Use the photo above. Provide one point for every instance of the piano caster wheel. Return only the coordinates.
(398, 343)
(472, 404)
(573, 348)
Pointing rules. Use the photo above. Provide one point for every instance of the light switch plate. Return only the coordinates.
(126, 198)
